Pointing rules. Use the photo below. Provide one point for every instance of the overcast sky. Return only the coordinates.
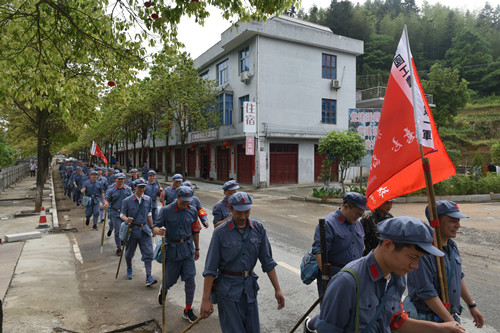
(198, 39)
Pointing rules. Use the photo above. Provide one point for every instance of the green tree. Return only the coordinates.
(6, 151)
(449, 91)
(187, 101)
(477, 165)
(495, 153)
(344, 147)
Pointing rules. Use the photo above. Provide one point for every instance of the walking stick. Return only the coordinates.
(103, 227)
(307, 313)
(123, 250)
(325, 271)
(192, 324)
(163, 255)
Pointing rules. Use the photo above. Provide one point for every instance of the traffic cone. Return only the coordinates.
(43, 220)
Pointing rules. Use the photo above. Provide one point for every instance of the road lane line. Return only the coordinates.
(76, 249)
(289, 267)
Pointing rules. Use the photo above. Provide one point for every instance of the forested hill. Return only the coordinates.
(467, 41)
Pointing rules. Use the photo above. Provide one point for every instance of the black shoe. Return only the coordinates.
(159, 295)
(306, 328)
(94, 227)
(109, 232)
(118, 252)
(87, 221)
(189, 315)
(102, 221)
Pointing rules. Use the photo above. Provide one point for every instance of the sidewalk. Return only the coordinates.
(38, 283)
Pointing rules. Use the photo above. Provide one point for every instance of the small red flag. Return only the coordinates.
(96, 151)
(405, 122)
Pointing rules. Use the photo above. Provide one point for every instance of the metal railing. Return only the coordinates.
(10, 175)
(379, 92)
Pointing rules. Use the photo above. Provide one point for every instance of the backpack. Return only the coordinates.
(309, 269)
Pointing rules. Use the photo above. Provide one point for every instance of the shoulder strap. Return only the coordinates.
(232, 262)
(379, 309)
(355, 275)
(139, 210)
(347, 244)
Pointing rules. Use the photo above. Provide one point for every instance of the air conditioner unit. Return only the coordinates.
(245, 77)
(336, 84)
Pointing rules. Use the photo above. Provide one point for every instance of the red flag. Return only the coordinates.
(96, 151)
(405, 122)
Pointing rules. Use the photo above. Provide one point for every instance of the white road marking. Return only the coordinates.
(76, 249)
(289, 267)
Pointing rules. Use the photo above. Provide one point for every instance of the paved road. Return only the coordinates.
(91, 300)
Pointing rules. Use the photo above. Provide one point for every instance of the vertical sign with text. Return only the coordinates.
(250, 145)
(249, 117)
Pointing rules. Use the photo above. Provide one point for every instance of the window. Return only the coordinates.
(328, 111)
(243, 99)
(329, 66)
(204, 75)
(244, 60)
(223, 72)
(225, 108)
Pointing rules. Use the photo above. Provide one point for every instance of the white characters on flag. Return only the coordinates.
(397, 145)
(409, 135)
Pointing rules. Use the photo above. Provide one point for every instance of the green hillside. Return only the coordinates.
(476, 129)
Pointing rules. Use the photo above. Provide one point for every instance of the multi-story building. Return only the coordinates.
(301, 79)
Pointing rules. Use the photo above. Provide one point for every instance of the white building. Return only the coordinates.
(302, 79)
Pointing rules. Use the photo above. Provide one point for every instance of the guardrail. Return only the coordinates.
(10, 175)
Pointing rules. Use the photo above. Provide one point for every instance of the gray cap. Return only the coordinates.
(240, 201)
(445, 207)
(187, 183)
(357, 199)
(120, 175)
(140, 182)
(151, 172)
(230, 185)
(185, 193)
(177, 177)
(93, 172)
(134, 170)
(409, 230)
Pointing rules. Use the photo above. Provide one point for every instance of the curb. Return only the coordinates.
(455, 198)
(53, 210)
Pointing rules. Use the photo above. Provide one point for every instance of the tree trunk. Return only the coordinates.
(155, 154)
(183, 156)
(43, 143)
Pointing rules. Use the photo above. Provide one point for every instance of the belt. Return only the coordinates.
(244, 274)
(138, 224)
(337, 264)
(180, 240)
(117, 209)
(154, 199)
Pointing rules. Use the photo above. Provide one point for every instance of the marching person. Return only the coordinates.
(32, 168)
(344, 235)
(403, 241)
(68, 185)
(221, 211)
(154, 191)
(202, 214)
(170, 191)
(423, 282)
(135, 176)
(77, 179)
(94, 190)
(179, 222)
(370, 221)
(104, 181)
(110, 176)
(114, 199)
(233, 261)
(145, 170)
(136, 211)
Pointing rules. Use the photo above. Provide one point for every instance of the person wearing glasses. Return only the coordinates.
(344, 235)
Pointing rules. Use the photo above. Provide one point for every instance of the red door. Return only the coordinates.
(245, 166)
(191, 170)
(205, 162)
(223, 163)
(318, 160)
(283, 165)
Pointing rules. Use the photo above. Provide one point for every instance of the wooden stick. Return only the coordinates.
(103, 227)
(163, 255)
(307, 313)
(192, 324)
(83, 219)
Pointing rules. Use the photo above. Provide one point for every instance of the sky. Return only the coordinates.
(198, 39)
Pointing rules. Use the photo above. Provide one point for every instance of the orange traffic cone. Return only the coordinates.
(43, 220)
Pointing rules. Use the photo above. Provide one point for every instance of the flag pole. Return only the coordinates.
(431, 198)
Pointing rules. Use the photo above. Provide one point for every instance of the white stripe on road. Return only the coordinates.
(76, 249)
(289, 267)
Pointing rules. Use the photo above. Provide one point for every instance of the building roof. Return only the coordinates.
(283, 28)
